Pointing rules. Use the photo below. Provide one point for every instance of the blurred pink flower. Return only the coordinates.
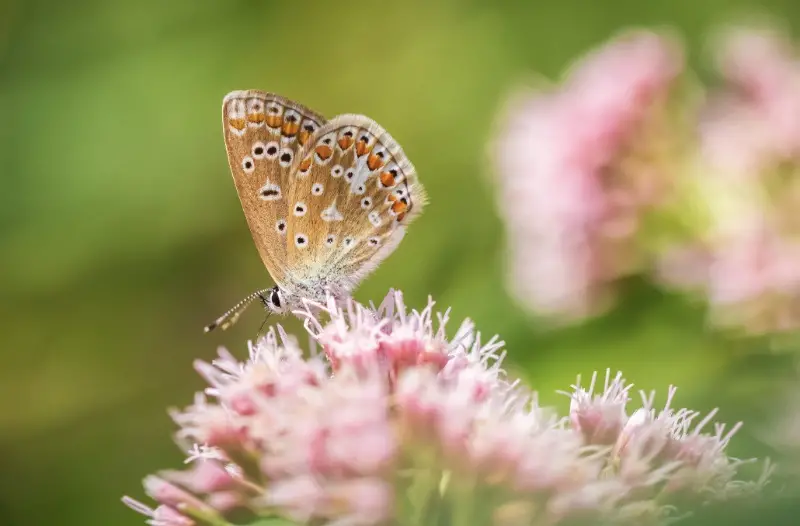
(754, 123)
(747, 262)
(578, 167)
(400, 424)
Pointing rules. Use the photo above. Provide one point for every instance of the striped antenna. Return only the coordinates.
(230, 317)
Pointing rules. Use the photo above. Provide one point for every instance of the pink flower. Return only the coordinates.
(401, 408)
(572, 192)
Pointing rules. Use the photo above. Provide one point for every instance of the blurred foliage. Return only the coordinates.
(121, 232)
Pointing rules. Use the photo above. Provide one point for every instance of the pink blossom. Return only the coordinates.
(401, 407)
(572, 192)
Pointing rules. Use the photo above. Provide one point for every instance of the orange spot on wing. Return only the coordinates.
(303, 136)
(361, 148)
(346, 142)
(400, 217)
(305, 164)
(290, 129)
(238, 124)
(324, 151)
(274, 121)
(399, 207)
(374, 162)
(392, 198)
(256, 118)
(387, 179)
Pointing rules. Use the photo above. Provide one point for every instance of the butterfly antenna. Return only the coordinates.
(230, 317)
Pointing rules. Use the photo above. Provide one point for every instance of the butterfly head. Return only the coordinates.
(275, 300)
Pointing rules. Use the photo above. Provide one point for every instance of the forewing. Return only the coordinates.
(352, 194)
(263, 134)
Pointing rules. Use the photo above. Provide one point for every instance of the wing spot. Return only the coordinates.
(350, 174)
(300, 209)
(336, 171)
(317, 189)
(272, 150)
(309, 127)
(258, 150)
(331, 214)
(301, 241)
(280, 226)
(374, 241)
(375, 218)
(348, 241)
(330, 240)
(366, 203)
(248, 165)
(270, 192)
(359, 190)
(305, 166)
(286, 157)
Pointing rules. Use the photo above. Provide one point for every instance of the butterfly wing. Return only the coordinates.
(352, 194)
(263, 134)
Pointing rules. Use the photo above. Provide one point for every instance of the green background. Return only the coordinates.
(121, 233)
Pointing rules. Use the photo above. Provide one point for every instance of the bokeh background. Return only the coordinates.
(121, 233)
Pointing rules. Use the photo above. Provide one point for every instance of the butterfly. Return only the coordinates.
(326, 201)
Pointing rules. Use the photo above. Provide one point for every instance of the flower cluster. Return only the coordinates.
(394, 423)
(622, 169)
(580, 168)
(748, 261)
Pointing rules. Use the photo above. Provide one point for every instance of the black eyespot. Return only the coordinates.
(308, 128)
(275, 298)
(393, 171)
(248, 164)
(281, 226)
(258, 150)
(291, 118)
(286, 157)
(301, 240)
(273, 109)
(272, 150)
(348, 133)
(365, 138)
(379, 154)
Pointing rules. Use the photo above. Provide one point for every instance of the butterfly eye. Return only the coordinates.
(317, 189)
(258, 150)
(280, 226)
(286, 157)
(374, 241)
(330, 240)
(336, 171)
(248, 165)
(275, 298)
(366, 203)
(300, 209)
(301, 241)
